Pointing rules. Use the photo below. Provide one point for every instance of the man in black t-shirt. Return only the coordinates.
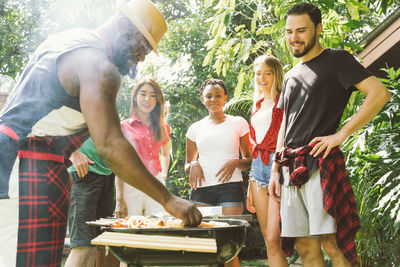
(314, 95)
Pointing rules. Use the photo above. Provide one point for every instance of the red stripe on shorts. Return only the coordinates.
(40, 156)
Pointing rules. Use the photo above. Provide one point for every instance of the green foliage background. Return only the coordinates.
(221, 38)
(373, 164)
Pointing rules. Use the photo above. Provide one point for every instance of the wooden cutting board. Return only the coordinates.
(159, 242)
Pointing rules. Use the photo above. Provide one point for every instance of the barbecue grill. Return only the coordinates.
(175, 246)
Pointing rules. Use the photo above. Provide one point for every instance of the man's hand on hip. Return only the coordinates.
(326, 143)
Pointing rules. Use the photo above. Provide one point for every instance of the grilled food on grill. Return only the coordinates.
(148, 222)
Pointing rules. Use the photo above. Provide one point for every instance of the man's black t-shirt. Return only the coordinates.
(315, 94)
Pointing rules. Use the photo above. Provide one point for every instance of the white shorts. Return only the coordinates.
(139, 203)
(302, 211)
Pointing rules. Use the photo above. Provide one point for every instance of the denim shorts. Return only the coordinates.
(226, 195)
(261, 172)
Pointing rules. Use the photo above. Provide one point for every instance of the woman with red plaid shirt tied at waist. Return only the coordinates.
(264, 127)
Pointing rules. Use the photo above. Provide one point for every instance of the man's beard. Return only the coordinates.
(307, 48)
(122, 57)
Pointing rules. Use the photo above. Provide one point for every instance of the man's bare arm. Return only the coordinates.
(99, 83)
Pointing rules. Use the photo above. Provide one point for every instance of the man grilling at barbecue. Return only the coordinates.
(67, 90)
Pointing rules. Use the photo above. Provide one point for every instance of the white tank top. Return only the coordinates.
(261, 120)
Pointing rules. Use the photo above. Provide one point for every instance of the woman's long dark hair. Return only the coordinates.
(157, 116)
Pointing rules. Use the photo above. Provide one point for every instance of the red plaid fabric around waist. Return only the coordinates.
(338, 196)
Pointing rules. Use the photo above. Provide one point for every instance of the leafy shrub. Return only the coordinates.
(373, 164)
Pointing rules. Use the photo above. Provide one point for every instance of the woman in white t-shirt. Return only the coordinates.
(212, 154)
